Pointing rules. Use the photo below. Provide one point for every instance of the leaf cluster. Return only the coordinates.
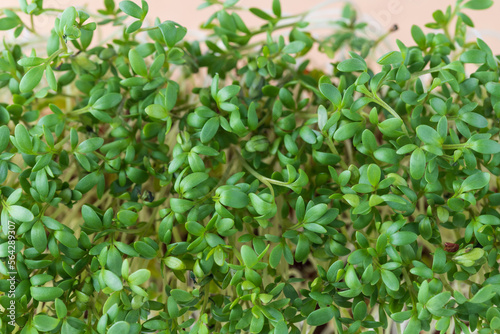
(162, 185)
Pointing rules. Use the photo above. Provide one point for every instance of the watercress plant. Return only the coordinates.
(156, 184)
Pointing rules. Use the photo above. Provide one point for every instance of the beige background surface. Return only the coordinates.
(380, 14)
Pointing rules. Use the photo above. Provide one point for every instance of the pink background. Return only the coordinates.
(380, 14)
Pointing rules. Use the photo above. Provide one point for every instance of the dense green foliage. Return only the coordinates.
(275, 197)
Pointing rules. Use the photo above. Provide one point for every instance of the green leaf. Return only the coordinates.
(192, 180)
(174, 263)
(260, 13)
(390, 280)
(281, 327)
(478, 4)
(287, 98)
(393, 57)
(157, 111)
(39, 237)
(234, 199)
(181, 296)
(87, 182)
(331, 93)
(473, 56)
(275, 256)
(488, 220)
(386, 155)
(127, 217)
(23, 138)
(423, 272)
(402, 238)
(51, 78)
(31, 79)
(439, 106)
(294, 47)
(66, 238)
(352, 65)
(179, 205)
(320, 317)
(143, 249)
(313, 227)
(68, 18)
(413, 326)
(14, 197)
(418, 36)
(227, 93)
(91, 218)
(417, 164)
(172, 33)
(346, 131)
(7, 23)
(119, 327)
(315, 212)
(195, 228)
(474, 119)
(4, 137)
(139, 277)
(31, 61)
(401, 316)
(439, 261)
(107, 101)
(493, 88)
(374, 173)
(46, 294)
(485, 294)
(131, 9)
(277, 8)
(428, 135)
(263, 207)
(308, 135)
(475, 181)
(209, 129)
(20, 213)
(391, 127)
(45, 323)
(351, 278)
(437, 302)
(90, 145)
(249, 257)
(486, 146)
(137, 63)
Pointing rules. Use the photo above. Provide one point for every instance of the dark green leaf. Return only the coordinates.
(390, 280)
(45, 294)
(31, 79)
(320, 317)
(417, 164)
(209, 129)
(7, 23)
(478, 4)
(294, 47)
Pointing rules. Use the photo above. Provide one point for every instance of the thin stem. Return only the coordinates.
(330, 144)
(263, 30)
(256, 175)
(445, 282)
(410, 287)
(428, 245)
(430, 70)
(454, 146)
(387, 107)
